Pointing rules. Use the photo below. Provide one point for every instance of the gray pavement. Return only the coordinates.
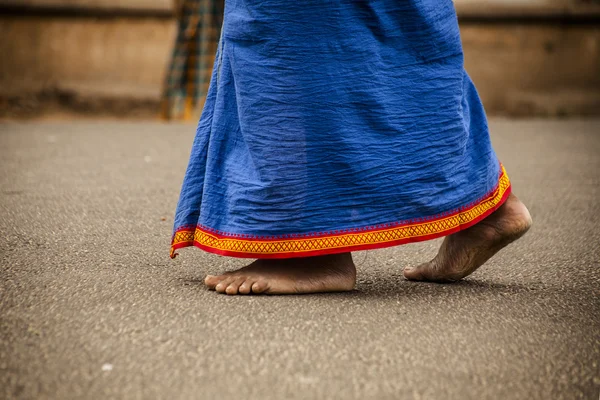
(91, 306)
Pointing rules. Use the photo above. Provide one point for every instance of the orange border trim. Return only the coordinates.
(381, 236)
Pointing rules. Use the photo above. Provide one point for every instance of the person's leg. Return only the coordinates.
(330, 273)
(465, 251)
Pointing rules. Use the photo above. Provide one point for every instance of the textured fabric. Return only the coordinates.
(190, 68)
(336, 117)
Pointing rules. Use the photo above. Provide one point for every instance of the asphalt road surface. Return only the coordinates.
(93, 308)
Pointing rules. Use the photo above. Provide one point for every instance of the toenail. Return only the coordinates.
(219, 286)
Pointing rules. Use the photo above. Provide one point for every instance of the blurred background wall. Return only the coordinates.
(527, 57)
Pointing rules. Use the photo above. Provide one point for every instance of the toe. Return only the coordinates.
(246, 286)
(222, 286)
(415, 273)
(428, 272)
(259, 287)
(234, 286)
(213, 280)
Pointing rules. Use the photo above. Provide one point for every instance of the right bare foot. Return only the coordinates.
(465, 251)
(331, 273)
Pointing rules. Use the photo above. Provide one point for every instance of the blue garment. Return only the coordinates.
(336, 117)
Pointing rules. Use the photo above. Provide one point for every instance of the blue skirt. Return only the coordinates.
(336, 126)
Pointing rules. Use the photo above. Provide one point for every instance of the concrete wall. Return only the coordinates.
(465, 7)
(535, 69)
(110, 56)
(527, 8)
(524, 57)
(139, 5)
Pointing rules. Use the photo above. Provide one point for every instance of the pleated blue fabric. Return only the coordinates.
(328, 116)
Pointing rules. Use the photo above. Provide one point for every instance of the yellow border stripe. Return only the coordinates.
(308, 244)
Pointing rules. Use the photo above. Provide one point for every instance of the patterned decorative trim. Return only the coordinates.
(320, 243)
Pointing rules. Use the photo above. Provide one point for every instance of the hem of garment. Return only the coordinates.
(347, 240)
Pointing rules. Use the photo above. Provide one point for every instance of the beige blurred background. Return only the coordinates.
(108, 57)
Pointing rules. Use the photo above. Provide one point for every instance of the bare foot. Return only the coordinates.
(331, 273)
(465, 251)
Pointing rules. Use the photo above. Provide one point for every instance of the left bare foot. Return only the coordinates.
(465, 251)
(331, 273)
